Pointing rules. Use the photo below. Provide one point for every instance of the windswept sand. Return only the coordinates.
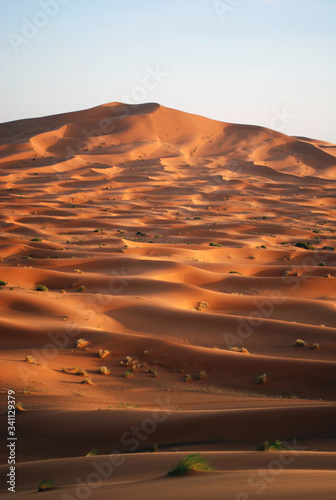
(135, 217)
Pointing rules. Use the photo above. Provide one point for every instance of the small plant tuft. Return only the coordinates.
(190, 463)
(306, 246)
(267, 446)
(46, 484)
(103, 353)
(31, 360)
(104, 370)
(41, 288)
(240, 349)
(92, 453)
(81, 343)
(261, 379)
(201, 375)
(300, 343)
(19, 407)
(201, 305)
(87, 381)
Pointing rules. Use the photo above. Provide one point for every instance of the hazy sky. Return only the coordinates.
(264, 62)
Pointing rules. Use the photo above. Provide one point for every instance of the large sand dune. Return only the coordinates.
(169, 238)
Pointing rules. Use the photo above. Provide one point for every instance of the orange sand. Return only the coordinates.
(132, 217)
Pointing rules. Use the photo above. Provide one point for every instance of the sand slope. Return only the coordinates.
(169, 238)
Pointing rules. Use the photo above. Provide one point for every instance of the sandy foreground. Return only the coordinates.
(164, 240)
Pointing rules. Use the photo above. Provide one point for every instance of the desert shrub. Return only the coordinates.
(82, 343)
(87, 381)
(267, 446)
(240, 349)
(300, 343)
(104, 370)
(3, 283)
(92, 453)
(201, 375)
(81, 372)
(19, 408)
(46, 484)
(103, 353)
(201, 305)
(129, 362)
(189, 463)
(261, 379)
(41, 288)
(306, 246)
(31, 360)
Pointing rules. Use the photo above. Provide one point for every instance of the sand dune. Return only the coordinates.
(169, 238)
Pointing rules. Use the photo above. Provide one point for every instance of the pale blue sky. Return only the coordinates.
(270, 63)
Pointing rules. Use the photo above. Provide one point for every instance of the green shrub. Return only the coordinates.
(266, 446)
(92, 453)
(191, 462)
(41, 288)
(46, 484)
(306, 246)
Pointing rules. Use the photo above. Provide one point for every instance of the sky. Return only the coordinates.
(261, 62)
